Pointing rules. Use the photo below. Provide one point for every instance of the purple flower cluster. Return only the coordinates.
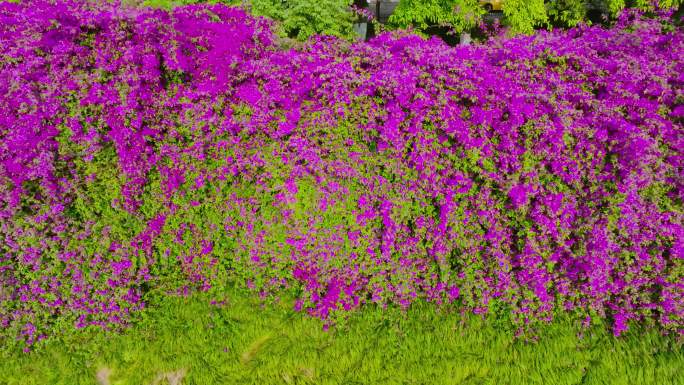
(150, 150)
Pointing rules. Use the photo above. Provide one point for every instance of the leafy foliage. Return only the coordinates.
(569, 13)
(525, 15)
(566, 12)
(303, 18)
(521, 16)
(458, 15)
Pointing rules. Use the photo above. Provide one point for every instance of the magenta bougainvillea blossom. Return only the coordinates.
(147, 152)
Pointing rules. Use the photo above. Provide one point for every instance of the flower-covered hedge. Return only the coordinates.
(150, 151)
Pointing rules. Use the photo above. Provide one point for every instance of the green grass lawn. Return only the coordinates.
(189, 341)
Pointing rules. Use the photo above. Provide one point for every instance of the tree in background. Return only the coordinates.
(462, 15)
(569, 13)
(523, 16)
(456, 15)
(300, 19)
(566, 13)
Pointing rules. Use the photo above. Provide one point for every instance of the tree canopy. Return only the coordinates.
(523, 16)
(299, 19)
(424, 14)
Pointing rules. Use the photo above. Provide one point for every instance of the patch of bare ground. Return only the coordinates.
(170, 378)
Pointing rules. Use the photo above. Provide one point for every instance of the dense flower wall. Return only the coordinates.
(150, 152)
